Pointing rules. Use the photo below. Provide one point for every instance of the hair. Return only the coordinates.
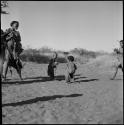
(121, 41)
(2, 32)
(11, 24)
(55, 54)
(71, 58)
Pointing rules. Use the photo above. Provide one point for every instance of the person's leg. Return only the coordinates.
(2, 57)
(1, 64)
(5, 69)
(67, 77)
(5, 65)
(19, 72)
(72, 77)
(121, 67)
(52, 75)
(14, 51)
(20, 63)
(18, 68)
(10, 69)
(1, 67)
(116, 70)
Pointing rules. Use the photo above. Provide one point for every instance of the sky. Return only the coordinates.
(65, 25)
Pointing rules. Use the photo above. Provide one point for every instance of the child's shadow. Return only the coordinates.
(60, 77)
(80, 78)
(87, 80)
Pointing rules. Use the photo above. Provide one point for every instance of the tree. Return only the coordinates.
(4, 4)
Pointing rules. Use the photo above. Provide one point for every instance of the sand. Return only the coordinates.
(92, 99)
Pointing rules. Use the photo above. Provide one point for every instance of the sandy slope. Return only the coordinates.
(94, 98)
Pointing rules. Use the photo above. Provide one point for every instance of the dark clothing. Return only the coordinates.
(15, 63)
(120, 56)
(71, 75)
(2, 37)
(2, 43)
(14, 36)
(51, 67)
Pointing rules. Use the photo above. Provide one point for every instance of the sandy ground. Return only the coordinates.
(92, 99)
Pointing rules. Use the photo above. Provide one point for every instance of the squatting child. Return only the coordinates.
(70, 69)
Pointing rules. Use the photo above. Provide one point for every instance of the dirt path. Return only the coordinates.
(94, 98)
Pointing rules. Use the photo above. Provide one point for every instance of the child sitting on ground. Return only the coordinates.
(71, 69)
(52, 66)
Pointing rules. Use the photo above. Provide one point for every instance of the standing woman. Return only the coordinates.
(14, 46)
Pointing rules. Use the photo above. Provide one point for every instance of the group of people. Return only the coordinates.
(11, 48)
(70, 67)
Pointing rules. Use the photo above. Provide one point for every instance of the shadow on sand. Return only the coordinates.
(80, 78)
(31, 80)
(37, 99)
(38, 79)
(87, 80)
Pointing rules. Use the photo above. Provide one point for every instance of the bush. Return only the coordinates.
(38, 56)
(35, 58)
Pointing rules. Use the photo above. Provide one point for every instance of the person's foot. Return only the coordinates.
(68, 82)
(112, 79)
(4, 79)
(52, 78)
(21, 79)
(72, 80)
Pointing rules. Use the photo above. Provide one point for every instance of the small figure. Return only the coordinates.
(70, 69)
(119, 53)
(52, 66)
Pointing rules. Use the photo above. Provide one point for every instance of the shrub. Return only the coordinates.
(40, 56)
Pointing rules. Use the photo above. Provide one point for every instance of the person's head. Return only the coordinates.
(71, 58)
(14, 25)
(2, 32)
(121, 43)
(55, 55)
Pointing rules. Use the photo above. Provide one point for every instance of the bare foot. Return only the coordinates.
(21, 79)
(112, 79)
(68, 82)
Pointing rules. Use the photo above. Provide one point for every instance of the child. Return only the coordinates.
(71, 69)
(52, 65)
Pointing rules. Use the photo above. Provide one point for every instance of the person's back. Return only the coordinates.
(71, 69)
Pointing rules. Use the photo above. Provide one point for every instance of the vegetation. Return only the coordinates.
(4, 4)
(44, 54)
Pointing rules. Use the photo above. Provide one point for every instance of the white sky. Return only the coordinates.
(64, 25)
